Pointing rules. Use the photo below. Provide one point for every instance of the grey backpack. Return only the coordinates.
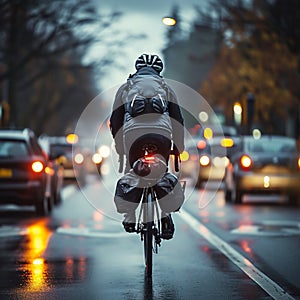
(146, 94)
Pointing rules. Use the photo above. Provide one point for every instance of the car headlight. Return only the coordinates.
(78, 158)
(204, 160)
(97, 158)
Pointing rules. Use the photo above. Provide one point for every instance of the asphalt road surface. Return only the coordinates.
(219, 251)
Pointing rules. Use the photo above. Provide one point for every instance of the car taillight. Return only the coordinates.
(201, 144)
(246, 162)
(204, 160)
(37, 167)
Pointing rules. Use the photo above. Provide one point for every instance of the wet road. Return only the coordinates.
(219, 251)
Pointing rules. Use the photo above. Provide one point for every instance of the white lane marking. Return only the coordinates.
(7, 231)
(87, 232)
(267, 284)
(266, 230)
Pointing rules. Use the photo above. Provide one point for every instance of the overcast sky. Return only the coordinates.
(142, 17)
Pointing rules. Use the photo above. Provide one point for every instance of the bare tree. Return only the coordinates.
(36, 39)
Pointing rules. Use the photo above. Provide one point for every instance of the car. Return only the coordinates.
(212, 131)
(267, 164)
(214, 156)
(25, 171)
(60, 147)
(208, 152)
(57, 179)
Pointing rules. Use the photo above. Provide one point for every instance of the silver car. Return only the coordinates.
(269, 164)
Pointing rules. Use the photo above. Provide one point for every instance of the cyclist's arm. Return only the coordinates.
(177, 121)
(117, 119)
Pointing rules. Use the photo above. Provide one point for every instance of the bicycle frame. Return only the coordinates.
(149, 217)
(149, 227)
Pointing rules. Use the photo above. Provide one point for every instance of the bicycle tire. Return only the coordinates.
(148, 234)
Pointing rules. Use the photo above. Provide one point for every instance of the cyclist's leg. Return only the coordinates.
(167, 226)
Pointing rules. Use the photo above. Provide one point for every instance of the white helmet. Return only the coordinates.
(148, 60)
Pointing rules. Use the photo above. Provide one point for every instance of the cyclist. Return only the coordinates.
(132, 129)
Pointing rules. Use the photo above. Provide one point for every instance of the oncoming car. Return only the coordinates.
(25, 171)
(269, 164)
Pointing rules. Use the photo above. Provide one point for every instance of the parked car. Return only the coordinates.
(25, 171)
(58, 176)
(269, 164)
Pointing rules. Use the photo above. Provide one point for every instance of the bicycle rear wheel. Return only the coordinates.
(148, 233)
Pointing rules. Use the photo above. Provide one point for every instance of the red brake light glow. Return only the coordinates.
(201, 144)
(37, 167)
(149, 158)
(246, 162)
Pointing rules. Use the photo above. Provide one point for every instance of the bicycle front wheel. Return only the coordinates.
(148, 234)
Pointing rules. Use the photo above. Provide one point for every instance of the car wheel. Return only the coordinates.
(199, 182)
(57, 198)
(42, 206)
(228, 196)
(50, 201)
(236, 195)
(293, 199)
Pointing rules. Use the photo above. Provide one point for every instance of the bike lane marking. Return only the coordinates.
(266, 283)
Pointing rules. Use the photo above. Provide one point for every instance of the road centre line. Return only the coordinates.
(267, 284)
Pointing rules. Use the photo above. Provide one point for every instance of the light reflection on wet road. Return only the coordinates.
(99, 261)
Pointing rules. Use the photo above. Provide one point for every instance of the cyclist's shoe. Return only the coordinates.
(129, 222)
(167, 227)
(129, 227)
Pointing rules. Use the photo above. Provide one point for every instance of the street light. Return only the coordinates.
(169, 21)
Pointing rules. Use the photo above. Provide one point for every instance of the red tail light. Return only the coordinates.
(201, 144)
(37, 167)
(246, 162)
(150, 159)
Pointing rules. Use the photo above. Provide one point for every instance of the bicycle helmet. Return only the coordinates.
(149, 60)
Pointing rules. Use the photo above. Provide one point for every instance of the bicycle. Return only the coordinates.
(149, 220)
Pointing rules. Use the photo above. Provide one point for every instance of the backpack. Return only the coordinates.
(146, 94)
(169, 193)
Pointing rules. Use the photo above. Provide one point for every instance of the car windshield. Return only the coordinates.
(58, 150)
(13, 148)
(214, 150)
(271, 145)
